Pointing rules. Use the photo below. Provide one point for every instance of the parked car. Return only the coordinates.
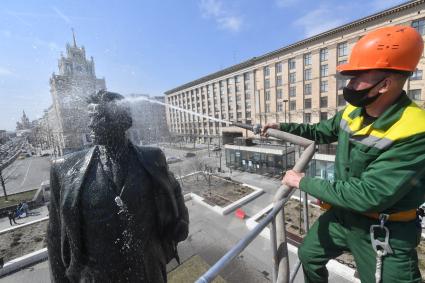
(216, 148)
(190, 154)
(172, 159)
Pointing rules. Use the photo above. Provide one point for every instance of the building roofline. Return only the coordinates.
(255, 60)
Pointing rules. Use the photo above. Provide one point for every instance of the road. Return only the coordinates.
(26, 174)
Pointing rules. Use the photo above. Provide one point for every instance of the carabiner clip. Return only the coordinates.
(380, 245)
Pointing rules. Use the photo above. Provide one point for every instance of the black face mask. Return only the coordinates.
(359, 98)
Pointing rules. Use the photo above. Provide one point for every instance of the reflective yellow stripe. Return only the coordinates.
(411, 122)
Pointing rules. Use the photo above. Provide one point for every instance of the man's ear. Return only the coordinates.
(385, 85)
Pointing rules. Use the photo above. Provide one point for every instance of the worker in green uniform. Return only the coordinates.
(379, 165)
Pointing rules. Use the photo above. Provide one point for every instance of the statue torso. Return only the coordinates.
(119, 244)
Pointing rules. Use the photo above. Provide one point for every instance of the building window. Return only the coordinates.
(414, 94)
(419, 25)
(307, 118)
(266, 71)
(323, 116)
(291, 64)
(267, 83)
(292, 91)
(279, 93)
(323, 86)
(417, 75)
(238, 98)
(341, 100)
(292, 78)
(248, 114)
(292, 105)
(279, 67)
(324, 70)
(247, 95)
(323, 54)
(307, 59)
(267, 95)
(323, 101)
(247, 105)
(238, 89)
(307, 103)
(307, 89)
(267, 108)
(279, 107)
(307, 74)
(279, 80)
(246, 76)
(342, 49)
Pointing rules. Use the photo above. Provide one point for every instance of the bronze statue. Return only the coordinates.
(116, 212)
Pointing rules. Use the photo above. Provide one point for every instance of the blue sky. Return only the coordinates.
(150, 46)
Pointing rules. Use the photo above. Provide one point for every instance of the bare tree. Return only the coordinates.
(3, 181)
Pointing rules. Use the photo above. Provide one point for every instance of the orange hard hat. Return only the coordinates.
(390, 48)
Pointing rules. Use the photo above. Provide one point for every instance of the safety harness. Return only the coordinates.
(382, 248)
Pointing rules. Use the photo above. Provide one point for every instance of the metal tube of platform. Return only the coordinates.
(282, 248)
(306, 217)
(240, 246)
(285, 192)
(274, 250)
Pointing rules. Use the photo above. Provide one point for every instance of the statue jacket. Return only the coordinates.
(67, 179)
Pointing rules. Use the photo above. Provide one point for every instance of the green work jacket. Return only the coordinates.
(379, 167)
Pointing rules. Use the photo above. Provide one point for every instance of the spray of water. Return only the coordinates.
(142, 98)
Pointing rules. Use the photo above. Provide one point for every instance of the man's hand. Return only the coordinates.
(269, 126)
(292, 179)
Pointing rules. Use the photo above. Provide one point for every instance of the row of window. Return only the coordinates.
(342, 51)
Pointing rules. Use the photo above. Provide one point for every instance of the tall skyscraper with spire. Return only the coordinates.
(70, 89)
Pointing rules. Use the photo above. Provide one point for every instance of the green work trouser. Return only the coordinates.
(339, 230)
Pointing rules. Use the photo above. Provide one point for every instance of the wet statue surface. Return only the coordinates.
(116, 212)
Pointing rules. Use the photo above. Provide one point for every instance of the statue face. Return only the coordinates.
(108, 122)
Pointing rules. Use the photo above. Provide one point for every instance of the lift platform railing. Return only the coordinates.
(278, 240)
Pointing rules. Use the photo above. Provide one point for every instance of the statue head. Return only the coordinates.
(110, 118)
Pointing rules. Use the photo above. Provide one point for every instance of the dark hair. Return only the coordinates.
(103, 96)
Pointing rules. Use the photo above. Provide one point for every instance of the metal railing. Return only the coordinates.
(276, 217)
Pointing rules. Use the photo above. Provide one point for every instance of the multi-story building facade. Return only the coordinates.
(70, 89)
(297, 83)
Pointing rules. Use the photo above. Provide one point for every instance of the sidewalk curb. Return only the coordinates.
(23, 225)
(23, 261)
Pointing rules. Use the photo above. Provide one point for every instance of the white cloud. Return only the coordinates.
(286, 3)
(231, 23)
(320, 20)
(226, 19)
(5, 72)
(62, 15)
